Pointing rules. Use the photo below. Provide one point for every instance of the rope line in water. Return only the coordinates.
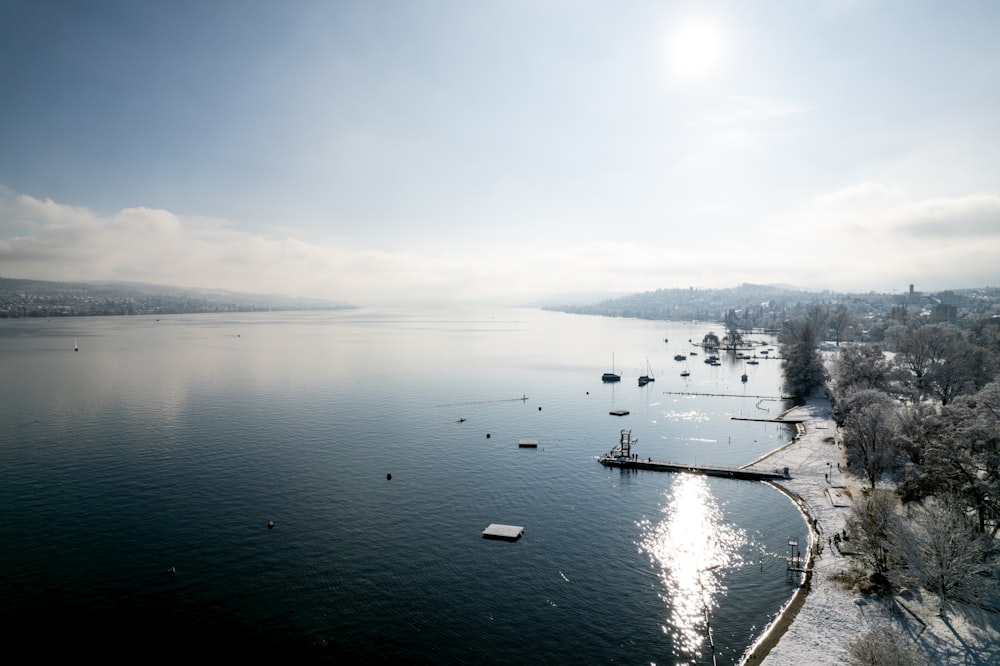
(728, 395)
(523, 398)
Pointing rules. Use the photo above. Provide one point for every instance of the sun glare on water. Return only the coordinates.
(693, 49)
(691, 548)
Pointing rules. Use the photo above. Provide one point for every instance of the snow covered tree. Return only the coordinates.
(861, 367)
(872, 526)
(870, 442)
(945, 554)
(966, 453)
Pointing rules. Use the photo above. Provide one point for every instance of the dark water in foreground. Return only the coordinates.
(172, 443)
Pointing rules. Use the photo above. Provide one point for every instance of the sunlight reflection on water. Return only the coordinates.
(691, 548)
(687, 415)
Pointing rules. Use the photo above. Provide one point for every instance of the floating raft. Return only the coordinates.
(618, 412)
(505, 532)
(528, 443)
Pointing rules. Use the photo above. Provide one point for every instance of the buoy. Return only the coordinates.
(487, 435)
(388, 477)
(270, 524)
(539, 409)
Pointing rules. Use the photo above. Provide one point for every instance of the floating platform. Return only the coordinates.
(625, 462)
(528, 443)
(505, 532)
(619, 412)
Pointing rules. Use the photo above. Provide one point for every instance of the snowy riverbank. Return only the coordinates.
(823, 617)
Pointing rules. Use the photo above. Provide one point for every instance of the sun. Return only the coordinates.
(693, 49)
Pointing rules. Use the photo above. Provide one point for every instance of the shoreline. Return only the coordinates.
(822, 617)
(783, 620)
(779, 627)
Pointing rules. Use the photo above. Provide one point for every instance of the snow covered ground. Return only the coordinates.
(820, 621)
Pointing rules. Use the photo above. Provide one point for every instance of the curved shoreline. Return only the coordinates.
(822, 617)
(783, 620)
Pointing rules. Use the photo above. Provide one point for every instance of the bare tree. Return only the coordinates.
(732, 340)
(884, 646)
(987, 333)
(872, 525)
(919, 349)
(840, 322)
(817, 316)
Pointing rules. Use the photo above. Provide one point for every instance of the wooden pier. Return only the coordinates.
(777, 420)
(621, 456)
(707, 470)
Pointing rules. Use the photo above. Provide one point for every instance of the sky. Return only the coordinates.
(508, 151)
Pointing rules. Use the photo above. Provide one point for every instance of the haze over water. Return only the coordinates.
(172, 443)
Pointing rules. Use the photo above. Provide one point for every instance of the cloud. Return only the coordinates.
(818, 249)
(976, 216)
(870, 235)
(860, 194)
(57, 242)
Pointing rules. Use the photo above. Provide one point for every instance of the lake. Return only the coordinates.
(138, 476)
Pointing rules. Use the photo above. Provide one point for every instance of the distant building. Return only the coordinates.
(944, 313)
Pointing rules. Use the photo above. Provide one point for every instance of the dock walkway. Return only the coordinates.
(707, 470)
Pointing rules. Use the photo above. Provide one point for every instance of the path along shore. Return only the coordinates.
(822, 616)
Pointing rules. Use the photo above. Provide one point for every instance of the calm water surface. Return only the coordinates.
(172, 443)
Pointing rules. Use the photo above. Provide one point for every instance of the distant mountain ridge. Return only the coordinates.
(40, 298)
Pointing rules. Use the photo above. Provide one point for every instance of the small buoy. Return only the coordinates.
(172, 571)
(388, 477)
(487, 435)
(270, 524)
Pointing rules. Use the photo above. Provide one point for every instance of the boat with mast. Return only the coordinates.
(611, 376)
(645, 379)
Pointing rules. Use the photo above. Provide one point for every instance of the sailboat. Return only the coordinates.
(76, 347)
(645, 379)
(611, 376)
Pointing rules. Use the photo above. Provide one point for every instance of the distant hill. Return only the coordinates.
(697, 304)
(39, 298)
(766, 306)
